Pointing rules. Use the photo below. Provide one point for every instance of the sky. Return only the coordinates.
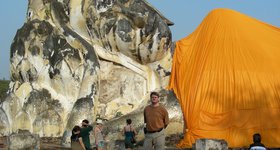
(185, 14)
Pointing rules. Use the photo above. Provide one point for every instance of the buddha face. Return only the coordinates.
(131, 27)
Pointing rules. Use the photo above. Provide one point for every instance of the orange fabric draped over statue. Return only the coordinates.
(226, 76)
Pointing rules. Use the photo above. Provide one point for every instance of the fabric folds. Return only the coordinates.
(226, 76)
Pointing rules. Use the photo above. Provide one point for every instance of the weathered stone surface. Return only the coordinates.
(48, 77)
(4, 123)
(210, 144)
(121, 90)
(23, 140)
(82, 59)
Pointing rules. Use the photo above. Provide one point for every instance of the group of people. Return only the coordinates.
(155, 118)
(80, 136)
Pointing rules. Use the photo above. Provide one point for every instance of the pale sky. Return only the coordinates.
(186, 14)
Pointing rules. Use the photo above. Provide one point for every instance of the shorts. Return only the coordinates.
(100, 144)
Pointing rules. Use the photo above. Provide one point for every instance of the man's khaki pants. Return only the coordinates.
(154, 141)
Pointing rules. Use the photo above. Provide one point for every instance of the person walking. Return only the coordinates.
(76, 139)
(99, 137)
(129, 133)
(156, 120)
(84, 133)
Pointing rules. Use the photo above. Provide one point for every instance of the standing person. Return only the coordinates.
(99, 138)
(85, 129)
(129, 133)
(76, 139)
(156, 119)
(257, 145)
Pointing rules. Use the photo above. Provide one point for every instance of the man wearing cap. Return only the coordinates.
(156, 120)
(98, 135)
(84, 133)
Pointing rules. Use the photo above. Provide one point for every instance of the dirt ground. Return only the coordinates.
(48, 143)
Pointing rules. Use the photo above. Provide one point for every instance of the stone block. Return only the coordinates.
(210, 144)
(23, 140)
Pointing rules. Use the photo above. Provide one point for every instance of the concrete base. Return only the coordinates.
(210, 144)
